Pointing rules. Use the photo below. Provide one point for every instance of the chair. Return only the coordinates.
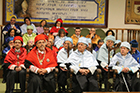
(71, 31)
(100, 33)
(84, 32)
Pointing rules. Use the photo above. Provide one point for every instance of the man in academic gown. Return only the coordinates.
(41, 61)
(102, 57)
(12, 24)
(135, 53)
(84, 65)
(126, 67)
(62, 56)
(76, 36)
(14, 61)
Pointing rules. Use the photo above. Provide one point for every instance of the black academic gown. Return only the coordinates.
(86, 83)
(131, 79)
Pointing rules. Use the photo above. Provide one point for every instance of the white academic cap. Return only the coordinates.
(110, 37)
(83, 40)
(88, 40)
(69, 39)
(125, 44)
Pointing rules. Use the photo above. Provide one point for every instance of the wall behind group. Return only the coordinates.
(116, 15)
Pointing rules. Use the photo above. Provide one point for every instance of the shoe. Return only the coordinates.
(3, 81)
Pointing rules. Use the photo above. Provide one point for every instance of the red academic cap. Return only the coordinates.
(39, 37)
(60, 20)
(18, 38)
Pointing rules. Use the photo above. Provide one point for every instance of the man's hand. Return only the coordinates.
(125, 70)
(106, 68)
(91, 35)
(39, 71)
(84, 71)
(14, 27)
(43, 71)
(62, 68)
(18, 69)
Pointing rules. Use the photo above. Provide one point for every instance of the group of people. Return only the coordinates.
(41, 51)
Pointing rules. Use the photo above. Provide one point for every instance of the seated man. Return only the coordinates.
(46, 32)
(126, 67)
(102, 57)
(62, 56)
(14, 61)
(135, 53)
(12, 24)
(99, 44)
(4, 53)
(41, 61)
(29, 35)
(76, 36)
(50, 44)
(84, 65)
(94, 37)
(10, 45)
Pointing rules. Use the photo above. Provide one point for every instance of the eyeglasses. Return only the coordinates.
(40, 42)
(67, 43)
(11, 42)
(13, 20)
(46, 29)
(92, 30)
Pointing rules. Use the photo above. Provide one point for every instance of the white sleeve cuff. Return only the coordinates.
(12, 67)
(92, 69)
(63, 65)
(7, 52)
(103, 64)
(22, 66)
(34, 69)
(76, 69)
(49, 69)
(18, 31)
(119, 69)
(4, 32)
(134, 69)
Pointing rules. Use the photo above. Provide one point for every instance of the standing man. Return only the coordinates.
(12, 24)
(102, 57)
(76, 36)
(135, 53)
(84, 65)
(127, 68)
(41, 61)
(14, 61)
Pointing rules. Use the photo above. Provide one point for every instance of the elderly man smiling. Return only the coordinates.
(41, 61)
